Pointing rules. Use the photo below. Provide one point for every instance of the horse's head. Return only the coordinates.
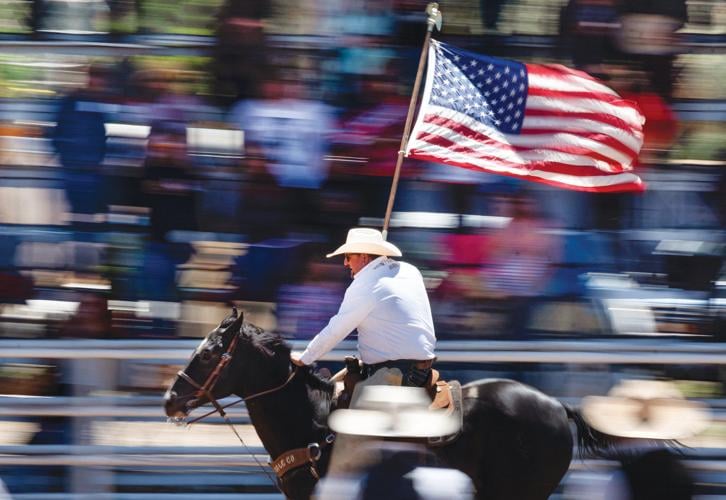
(204, 375)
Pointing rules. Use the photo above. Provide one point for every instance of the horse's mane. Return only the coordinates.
(273, 348)
(320, 392)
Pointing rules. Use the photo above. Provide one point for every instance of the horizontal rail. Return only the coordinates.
(70, 449)
(151, 407)
(576, 352)
(100, 406)
(248, 461)
(514, 356)
(138, 461)
(629, 345)
(710, 455)
(150, 412)
(148, 496)
(695, 465)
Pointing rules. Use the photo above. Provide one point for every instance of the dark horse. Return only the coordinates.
(516, 442)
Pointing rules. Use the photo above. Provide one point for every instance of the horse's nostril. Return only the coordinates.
(169, 396)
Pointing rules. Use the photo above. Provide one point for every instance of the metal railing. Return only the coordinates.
(206, 461)
(631, 351)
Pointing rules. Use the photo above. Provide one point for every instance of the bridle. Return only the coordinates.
(289, 460)
(207, 387)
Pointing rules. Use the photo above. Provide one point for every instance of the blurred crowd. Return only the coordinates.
(162, 160)
(144, 186)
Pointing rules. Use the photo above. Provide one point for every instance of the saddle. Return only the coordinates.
(445, 395)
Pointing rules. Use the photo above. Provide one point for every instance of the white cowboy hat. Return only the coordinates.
(366, 240)
(645, 409)
(393, 412)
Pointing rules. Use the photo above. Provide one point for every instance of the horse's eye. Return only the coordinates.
(205, 355)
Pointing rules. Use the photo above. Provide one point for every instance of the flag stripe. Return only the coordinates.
(610, 149)
(625, 181)
(578, 157)
(553, 76)
(572, 94)
(595, 141)
(566, 163)
(622, 141)
(565, 103)
(564, 88)
(549, 124)
(596, 118)
(625, 141)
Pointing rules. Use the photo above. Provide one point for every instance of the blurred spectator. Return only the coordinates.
(123, 15)
(15, 288)
(166, 93)
(258, 273)
(366, 45)
(92, 319)
(661, 125)
(648, 34)
(241, 51)
(152, 281)
(373, 125)
(372, 129)
(341, 205)
(521, 258)
(463, 254)
(79, 139)
(497, 274)
(170, 188)
(263, 210)
(292, 133)
(587, 28)
(644, 416)
(35, 16)
(490, 10)
(304, 308)
(169, 183)
(157, 279)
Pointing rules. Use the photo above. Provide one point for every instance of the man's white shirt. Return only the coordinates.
(388, 304)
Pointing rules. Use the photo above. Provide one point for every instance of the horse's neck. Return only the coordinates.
(284, 420)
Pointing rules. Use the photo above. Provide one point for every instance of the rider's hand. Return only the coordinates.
(295, 358)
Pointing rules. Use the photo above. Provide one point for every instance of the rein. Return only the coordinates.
(220, 409)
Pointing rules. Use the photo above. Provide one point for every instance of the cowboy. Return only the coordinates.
(388, 305)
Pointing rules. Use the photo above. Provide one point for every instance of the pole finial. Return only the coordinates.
(435, 17)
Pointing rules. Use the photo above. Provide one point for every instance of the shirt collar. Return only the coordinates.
(371, 265)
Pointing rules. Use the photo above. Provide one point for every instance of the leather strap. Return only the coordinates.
(292, 459)
(299, 457)
(401, 364)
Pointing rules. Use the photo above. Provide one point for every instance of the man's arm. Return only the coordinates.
(356, 305)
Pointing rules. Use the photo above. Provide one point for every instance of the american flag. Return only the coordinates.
(543, 123)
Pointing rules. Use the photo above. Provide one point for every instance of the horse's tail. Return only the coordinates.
(589, 440)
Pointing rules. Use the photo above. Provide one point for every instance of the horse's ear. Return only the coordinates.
(237, 324)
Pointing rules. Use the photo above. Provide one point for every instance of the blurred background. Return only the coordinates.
(161, 161)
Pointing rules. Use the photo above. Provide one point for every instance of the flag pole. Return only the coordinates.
(434, 20)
